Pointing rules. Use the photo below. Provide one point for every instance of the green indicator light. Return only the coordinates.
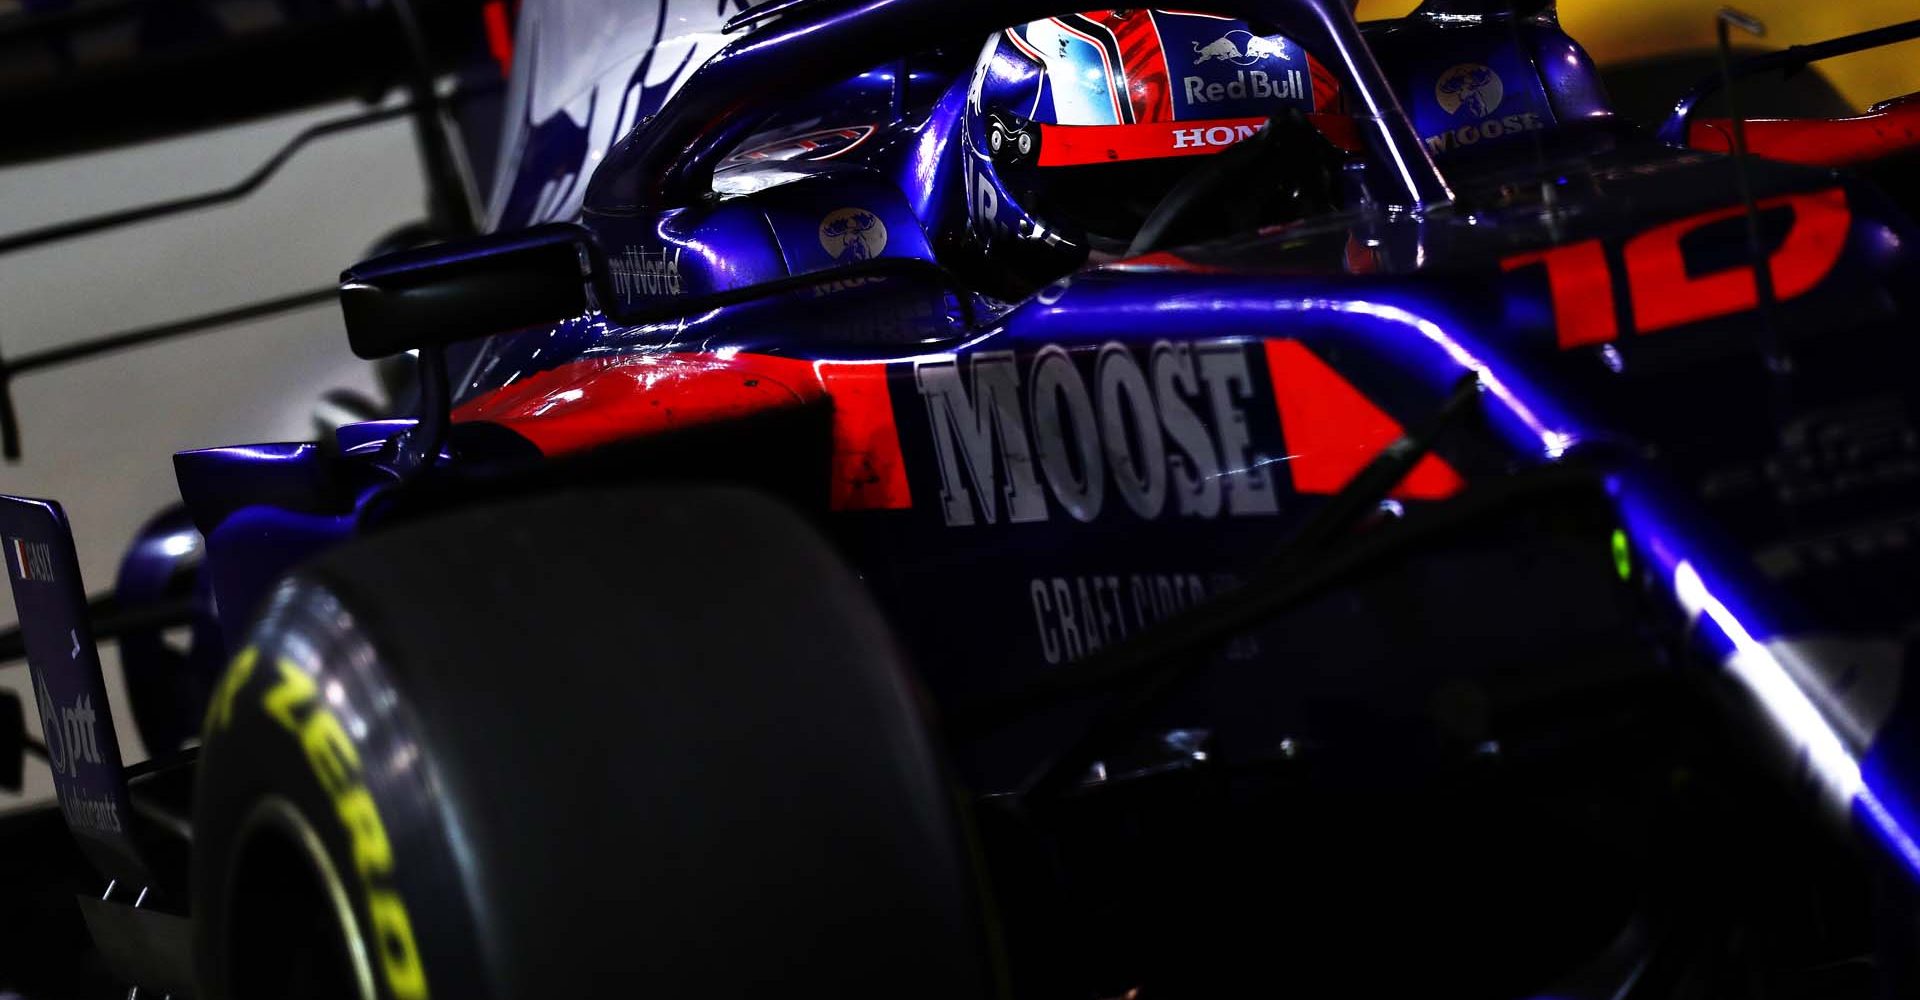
(1622, 555)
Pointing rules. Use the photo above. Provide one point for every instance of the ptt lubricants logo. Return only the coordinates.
(1473, 91)
(71, 733)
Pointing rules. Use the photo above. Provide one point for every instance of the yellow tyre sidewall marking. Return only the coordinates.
(293, 702)
(220, 709)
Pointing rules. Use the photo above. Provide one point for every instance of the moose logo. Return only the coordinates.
(1239, 47)
(1472, 88)
(852, 234)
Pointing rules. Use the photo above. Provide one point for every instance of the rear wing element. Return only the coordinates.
(452, 210)
(37, 545)
(1678, 126)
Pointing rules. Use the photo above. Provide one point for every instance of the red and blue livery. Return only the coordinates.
(996, 500)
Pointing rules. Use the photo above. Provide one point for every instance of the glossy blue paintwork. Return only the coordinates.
(169, 686)
(669, 160)
(82, 747)
(1722, 475)
(1462, 92)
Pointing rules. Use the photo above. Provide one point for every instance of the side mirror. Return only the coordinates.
(454, 292)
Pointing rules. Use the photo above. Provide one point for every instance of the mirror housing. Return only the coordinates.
(455, 292)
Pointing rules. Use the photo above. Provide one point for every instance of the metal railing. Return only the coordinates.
(451, 212)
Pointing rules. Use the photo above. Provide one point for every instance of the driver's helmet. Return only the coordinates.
(1077, 126)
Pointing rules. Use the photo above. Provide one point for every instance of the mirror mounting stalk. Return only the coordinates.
(420, 447)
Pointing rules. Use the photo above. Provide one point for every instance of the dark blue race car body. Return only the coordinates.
(1129, 441)
(1673, 474)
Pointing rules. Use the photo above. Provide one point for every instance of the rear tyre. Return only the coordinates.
(647, 740)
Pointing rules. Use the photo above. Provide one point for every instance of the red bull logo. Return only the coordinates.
(1255, 84)
(1239, 47)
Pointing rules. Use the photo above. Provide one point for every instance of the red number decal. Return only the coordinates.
(1664, 295)
(1582, 286)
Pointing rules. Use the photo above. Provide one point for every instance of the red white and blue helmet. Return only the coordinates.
(1077, 126)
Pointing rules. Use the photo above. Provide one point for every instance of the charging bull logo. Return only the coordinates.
(1470, 88)
(1239, 47)
(853, 234)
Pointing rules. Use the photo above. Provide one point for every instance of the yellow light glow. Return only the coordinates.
(1616, 31)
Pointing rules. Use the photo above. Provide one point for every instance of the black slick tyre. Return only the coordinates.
(645, 741)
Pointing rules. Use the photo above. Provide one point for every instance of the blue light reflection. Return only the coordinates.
(1734, 625)
(1555, 439)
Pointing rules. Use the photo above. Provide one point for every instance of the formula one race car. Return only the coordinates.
(1162, 503)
